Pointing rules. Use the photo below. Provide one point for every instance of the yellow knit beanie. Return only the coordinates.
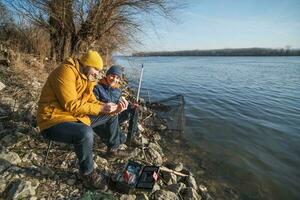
(92, 59)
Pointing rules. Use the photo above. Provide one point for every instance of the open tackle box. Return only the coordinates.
(136, 176)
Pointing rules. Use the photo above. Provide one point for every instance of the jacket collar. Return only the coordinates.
(74, 62)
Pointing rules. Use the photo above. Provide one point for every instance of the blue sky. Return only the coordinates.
(214, 24)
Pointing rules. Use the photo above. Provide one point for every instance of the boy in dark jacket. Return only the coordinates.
(108, 90)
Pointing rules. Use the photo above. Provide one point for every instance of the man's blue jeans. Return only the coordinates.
(82, 136)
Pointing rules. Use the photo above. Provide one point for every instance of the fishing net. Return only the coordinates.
(169, 114)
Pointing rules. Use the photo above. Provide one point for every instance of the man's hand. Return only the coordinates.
(109, 108)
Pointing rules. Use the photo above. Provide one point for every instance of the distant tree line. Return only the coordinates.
(226, 52)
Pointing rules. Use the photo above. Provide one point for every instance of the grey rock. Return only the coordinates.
(60, 196)
(191, 182)
(32, 157)
(141, 100)
(127, 197)
(31, 110)
(202, 188)
(46, 171)
(190, 194)
(170, 178)
(155, 187)
(75, 192)
(165, 195)
(176, 166)
(162, 127)
(156, 137)
(144, 109)
(101, 161)
(71, 181)
(141, 128)
(2, 86)
(3, 184)
(12, 103)
(15, 171)
(154, 156)
(13, 138)
(20, 189)
(11, 157)
(4, 164)
(2, 148)
(62, 186)
(64, 165)
(142, 196)
(123, 147)
(144, 140)
(186, 171)
(155, 147)
(1, 125)
(176, 188)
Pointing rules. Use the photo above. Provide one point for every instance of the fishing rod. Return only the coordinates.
(140, 83)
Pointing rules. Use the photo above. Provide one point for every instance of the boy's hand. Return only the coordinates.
(122, 105)
(135, 105)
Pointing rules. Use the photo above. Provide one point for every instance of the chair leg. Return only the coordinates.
(48, 149)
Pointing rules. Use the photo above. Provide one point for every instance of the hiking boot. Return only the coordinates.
(113, 154)
(95, 180)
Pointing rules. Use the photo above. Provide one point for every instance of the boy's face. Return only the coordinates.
(112, 79)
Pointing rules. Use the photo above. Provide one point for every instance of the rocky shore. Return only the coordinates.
(22, 148)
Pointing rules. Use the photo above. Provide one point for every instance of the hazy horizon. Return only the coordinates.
(217, 24)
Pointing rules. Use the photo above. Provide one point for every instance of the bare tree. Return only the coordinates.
(5, 22)
(75, 25)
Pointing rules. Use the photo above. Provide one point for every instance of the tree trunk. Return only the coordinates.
(63, 29)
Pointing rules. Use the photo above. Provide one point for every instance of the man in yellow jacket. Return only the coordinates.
(65, 104)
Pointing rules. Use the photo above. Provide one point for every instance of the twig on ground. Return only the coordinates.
(147, 117)
(165, 169)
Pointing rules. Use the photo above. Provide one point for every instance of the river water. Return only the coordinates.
(244, 112)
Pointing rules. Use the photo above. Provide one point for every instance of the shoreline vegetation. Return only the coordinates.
(224, 52)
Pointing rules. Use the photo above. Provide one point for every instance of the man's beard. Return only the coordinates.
(92, 77)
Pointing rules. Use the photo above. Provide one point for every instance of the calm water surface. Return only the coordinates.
(243, 111)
